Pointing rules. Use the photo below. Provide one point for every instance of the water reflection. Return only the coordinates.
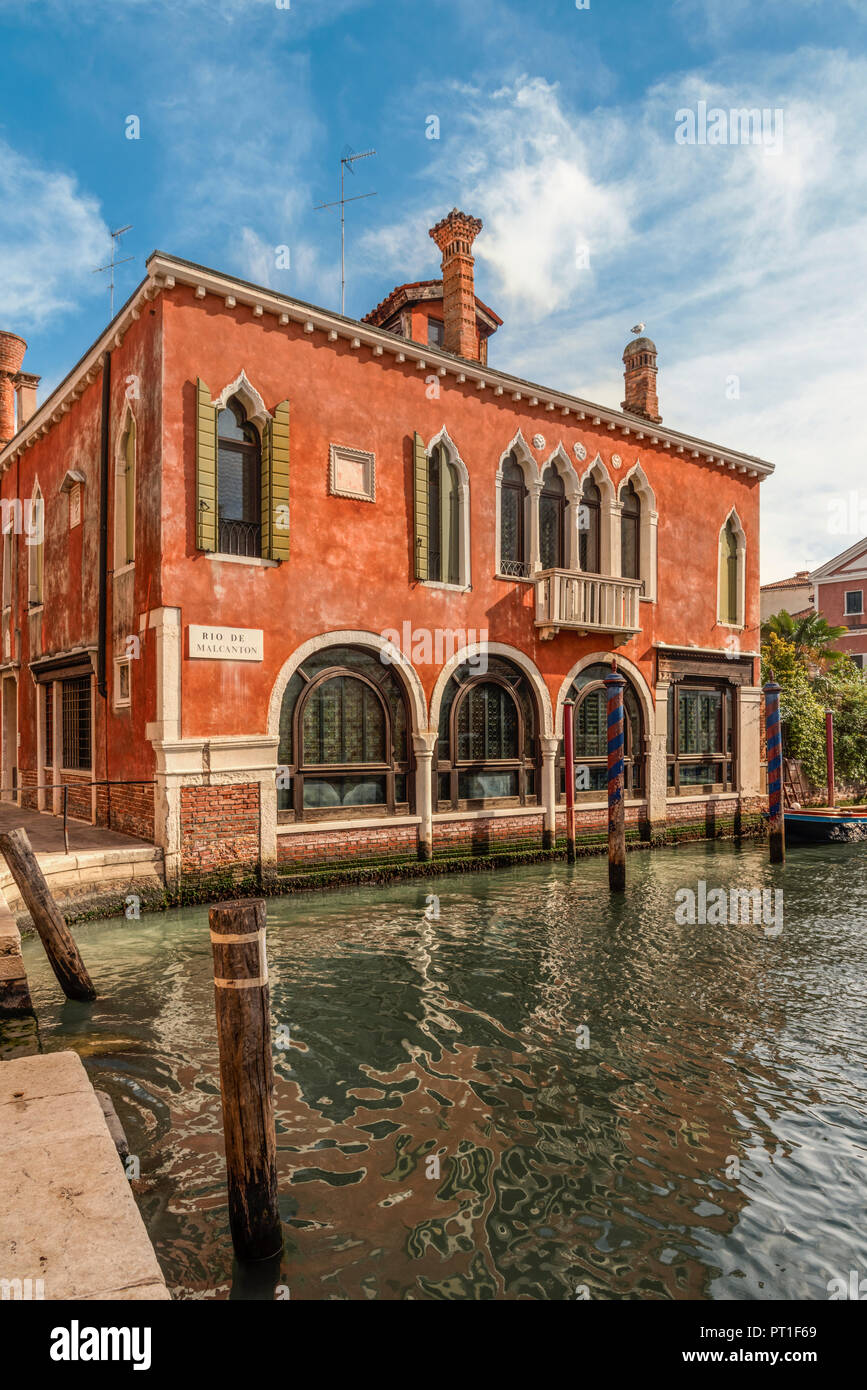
(440, 1133)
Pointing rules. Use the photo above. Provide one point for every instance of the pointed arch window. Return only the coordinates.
(124, 498)
(732, 555)
(514, 558)
(444, 499)
(239, 482)
(589, 553)
(552, 520)
(36, 549)
(630, 533)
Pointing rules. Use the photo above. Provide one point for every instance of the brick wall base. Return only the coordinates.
(327, 852)
(219, 837)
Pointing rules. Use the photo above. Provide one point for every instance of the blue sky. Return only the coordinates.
(557, 127)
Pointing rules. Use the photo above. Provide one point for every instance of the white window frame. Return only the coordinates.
(119, 701)
(853, 612)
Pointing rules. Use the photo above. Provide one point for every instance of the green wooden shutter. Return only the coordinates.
(206, 469)
(278, 485)
(422, 531)
(265, 478)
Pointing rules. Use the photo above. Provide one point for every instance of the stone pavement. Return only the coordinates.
(46, 831)
(67, 1213)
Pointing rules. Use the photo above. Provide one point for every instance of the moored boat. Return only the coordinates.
(826, 824)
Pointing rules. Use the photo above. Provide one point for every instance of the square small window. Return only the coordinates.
(75, 506)
(122, 682)
(854, 601)
(353, 473)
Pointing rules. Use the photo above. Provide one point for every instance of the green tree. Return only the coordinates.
(802, 716)
(811, 635)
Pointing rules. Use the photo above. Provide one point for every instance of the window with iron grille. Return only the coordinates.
(76, 722)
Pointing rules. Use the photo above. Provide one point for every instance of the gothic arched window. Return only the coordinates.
(552, 520)
(589, 528)
(513, 543)
(239, 482)
(630, 533)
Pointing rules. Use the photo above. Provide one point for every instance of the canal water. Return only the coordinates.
(507, 1086)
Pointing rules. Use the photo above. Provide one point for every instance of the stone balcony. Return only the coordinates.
(587, 603)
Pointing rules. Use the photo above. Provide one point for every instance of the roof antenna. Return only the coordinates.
(115, 237)
(347, 160)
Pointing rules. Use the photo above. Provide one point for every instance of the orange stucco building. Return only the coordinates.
(285, 588)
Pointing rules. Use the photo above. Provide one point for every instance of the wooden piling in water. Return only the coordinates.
(569, 745)
(776, 814)
(614, 685)
(63, 954)
(242, 1000)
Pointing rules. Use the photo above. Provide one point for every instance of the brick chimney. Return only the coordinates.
(25, 391)
(12, 350)
(454, 236)
(639, 371)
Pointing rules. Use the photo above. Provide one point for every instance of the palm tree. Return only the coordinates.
(811, 635)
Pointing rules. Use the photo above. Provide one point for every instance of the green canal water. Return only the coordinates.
(708, 1142)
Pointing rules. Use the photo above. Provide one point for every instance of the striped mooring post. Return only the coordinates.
(776, 815)
(614, 685)
(569, 750)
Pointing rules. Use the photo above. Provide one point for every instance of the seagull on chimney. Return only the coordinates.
(639, 328)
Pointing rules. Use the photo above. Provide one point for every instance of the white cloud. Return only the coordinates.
(52, 235)
(743, 262)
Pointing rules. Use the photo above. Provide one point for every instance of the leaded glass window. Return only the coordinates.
(488, 746)
(552, 520)
(343, 737)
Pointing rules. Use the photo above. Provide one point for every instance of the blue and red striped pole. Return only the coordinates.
(614, 685)
(776, 815)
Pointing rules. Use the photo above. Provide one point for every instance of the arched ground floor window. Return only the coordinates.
(591, 737)
(702, 748)
(344, 746)
(488, 746)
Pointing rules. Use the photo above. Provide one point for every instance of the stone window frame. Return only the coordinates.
(119, 701)
(464, 584)
(339, 452)
(740, 536)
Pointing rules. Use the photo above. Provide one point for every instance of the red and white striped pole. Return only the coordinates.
(569, 742)
(776, 815)
(615, 685)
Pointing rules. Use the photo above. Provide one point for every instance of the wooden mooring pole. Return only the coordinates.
(829, 756)
(59, 943)
(776, 814)
(569, 744)
(614, 685)
(242, 1001)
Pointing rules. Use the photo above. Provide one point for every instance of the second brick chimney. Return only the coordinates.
(12, 350)
(639, 371)
(454, 236)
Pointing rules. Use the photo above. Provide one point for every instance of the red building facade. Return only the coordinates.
(283, 588)
(840, 589)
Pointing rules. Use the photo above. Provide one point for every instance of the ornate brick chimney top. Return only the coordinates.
(454, 236)
(639, 371)
(12, 350)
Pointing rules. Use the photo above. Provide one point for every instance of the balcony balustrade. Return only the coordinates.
(587, 603)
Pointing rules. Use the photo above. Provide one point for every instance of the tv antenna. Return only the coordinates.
(115, 237)
(347, 160)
